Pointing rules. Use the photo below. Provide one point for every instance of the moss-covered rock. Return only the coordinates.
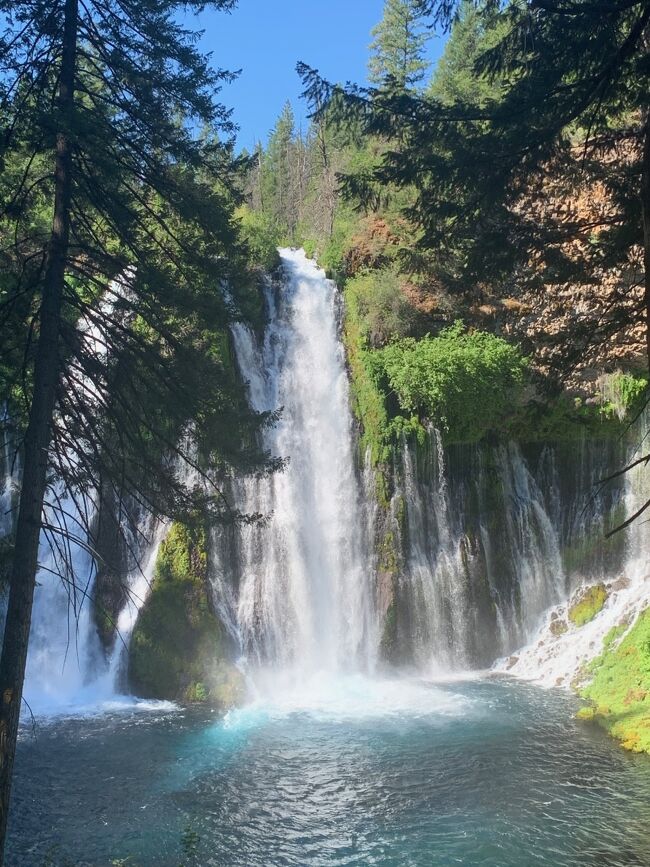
(178, 648)
(619, 690)
(588, 605)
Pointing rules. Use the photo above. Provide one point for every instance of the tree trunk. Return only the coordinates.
(645, 210)
(38, 434)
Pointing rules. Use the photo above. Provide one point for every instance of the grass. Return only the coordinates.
(619, 691)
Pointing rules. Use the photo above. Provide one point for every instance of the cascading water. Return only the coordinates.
(67, 668)
(493, 537)
(486, 539)
(554, 655)
(305, 596)
(481, 554)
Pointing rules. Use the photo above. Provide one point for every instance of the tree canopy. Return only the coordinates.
(397, 52)
(117, 238)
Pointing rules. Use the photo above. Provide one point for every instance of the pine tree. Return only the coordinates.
(115, 217)
(276, 182)
(571, 103)
(397, 50)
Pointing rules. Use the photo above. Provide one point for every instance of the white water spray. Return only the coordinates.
(305, 600)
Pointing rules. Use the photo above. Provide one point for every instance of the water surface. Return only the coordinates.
(352, 772)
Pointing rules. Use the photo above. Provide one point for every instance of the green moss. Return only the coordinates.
(388, 643)
(368, 401)
(388, 556)
(589, 605)
(613, 635)
(619, 692)
(178, 650)
(586, 714)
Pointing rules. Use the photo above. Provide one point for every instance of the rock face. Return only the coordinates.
(178, 648)
(109, 594)
(567, 323)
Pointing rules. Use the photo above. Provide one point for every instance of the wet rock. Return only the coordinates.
(621, 583)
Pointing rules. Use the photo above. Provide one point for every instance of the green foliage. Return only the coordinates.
(619, 691)
(152, 201)
(523, 102)
(261, 235)
(367, 398)
(398, 46)
(623, 393)
(178, 649)
(589, 604)
(562, 419)
(466, 382)
(383, 310)
(457, 78)
(277, 191)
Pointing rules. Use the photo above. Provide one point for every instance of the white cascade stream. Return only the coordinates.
(67, 669)
(306, 600)
(553, 659)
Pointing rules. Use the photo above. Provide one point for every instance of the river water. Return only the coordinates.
(486, 772)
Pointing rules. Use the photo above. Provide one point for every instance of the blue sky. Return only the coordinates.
(265, 39)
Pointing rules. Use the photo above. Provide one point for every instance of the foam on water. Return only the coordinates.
(352, 698)
(93, 703)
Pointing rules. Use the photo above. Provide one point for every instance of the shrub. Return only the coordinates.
(383, 309)
(466, 382)
(622, 392)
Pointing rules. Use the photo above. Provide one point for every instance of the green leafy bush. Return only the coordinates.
(383, 309)
(622, 392)
(261, 236)
(466, 382)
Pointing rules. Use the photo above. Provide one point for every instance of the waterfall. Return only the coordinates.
(496, 538)
(297, 590)
(551, 656)
(481, 552)
(67, 668)
(486, 540)
(474, 561)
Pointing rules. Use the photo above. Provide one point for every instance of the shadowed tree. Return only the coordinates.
(561, 91)
(117, 234)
